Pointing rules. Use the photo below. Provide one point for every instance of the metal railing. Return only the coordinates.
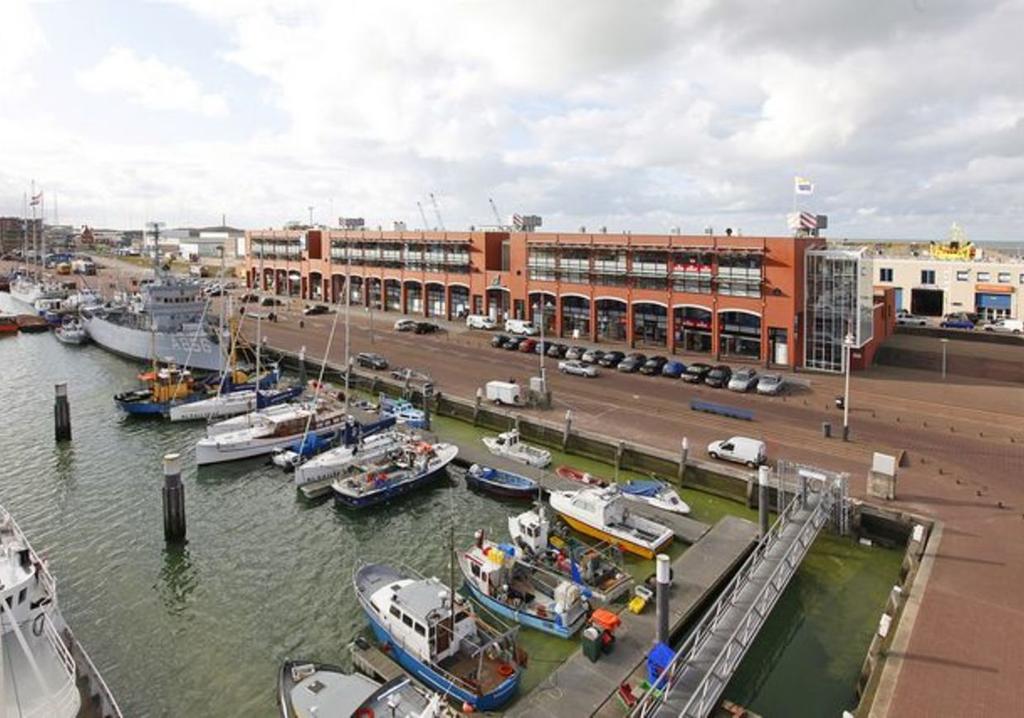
(810, 508)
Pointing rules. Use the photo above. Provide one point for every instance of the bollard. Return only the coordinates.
(684, 454)
(174, 500)
(762, 499)
(302, 366)
(664, 579)
(826, 429)
(61, 413)
(476, 405)
(846, 433)
(567, 429)
(516, 423)
(619, 448)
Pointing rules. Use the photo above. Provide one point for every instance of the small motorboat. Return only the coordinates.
(414, 464)
(8, 324)
(570, 474)
(71, 333)
(508, 444)
(502, 483)
(405, 413)
(320, 690)
(604, 514)
(164, 387)
(305, 448)
(655, 493)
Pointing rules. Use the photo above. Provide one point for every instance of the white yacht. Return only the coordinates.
(42, 662)
(334, 463)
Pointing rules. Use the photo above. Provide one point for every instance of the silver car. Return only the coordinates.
(578, 368)
(743, 380)
(770, 384)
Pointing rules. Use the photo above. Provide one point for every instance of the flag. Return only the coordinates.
(802, 185)
(36, 199)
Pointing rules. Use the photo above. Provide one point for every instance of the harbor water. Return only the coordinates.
(201, 630)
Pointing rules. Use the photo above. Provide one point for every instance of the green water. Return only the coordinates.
(266, 575)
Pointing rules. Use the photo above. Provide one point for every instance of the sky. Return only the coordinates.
(907, 115)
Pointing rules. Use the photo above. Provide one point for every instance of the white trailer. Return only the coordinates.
(504, 392)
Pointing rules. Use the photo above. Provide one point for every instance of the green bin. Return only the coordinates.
(592, 644)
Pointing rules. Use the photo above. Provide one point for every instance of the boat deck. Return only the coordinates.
(23, 695)
(482, 673)
(699, 572)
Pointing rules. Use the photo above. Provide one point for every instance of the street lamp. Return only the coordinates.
(848, 341)
(542, 307)
(945, 343)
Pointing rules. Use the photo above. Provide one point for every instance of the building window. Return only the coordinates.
(885, 274)
(542, 264)
(692, 272)
(574, 266)
(927, 276)
(1004, 277)
(739, 274)
(984, 276)
(609, 267)
(1022, 277)
(963, 275)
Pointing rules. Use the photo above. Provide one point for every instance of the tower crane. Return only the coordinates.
(423, 215)
(437, 211)
(497, 215)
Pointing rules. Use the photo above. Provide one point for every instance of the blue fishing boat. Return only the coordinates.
(502, 483)
(165, 387)
(405, 413)
(438, 639)
(398, 472)
(522, 592)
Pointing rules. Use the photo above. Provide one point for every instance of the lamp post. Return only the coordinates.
(542, 307)
(848, 341)
(945, 343)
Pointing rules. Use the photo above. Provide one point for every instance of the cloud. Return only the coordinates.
(21, 39)
(151, 83)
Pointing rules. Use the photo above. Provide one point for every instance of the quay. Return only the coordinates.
(697, 574)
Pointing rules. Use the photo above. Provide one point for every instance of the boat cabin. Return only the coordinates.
(530, 530)
(604, 507)
(419, 615)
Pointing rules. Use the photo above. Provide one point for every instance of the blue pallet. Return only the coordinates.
(732, 412)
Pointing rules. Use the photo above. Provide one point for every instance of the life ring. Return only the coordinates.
(364, 712)
(506, 669)
(37, 624)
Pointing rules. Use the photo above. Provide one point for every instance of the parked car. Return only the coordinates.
(405, 325)
(592, 356)
(739, 449)
(957, 322)
(770, 384)
(426, 328)
(631, 363)
(557, 350)
(575, 352)
(744, 379)
(719, 376)
(480, 321)
(906, 319)
(271, 302)
(1006, 326)
(527, 345)
(314, 309)
(512, 343)
(249, 298)
(498, 340)
(521, 326)
(577, 368)
(695, 373)
(653, 365)
(673, 369)
(370, 360)
(611, 359)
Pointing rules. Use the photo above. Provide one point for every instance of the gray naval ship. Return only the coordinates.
(168, 320)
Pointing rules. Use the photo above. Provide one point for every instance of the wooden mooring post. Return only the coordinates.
(61, 413)
(174, 500)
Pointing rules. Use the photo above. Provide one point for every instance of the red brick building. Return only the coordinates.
(726, 296)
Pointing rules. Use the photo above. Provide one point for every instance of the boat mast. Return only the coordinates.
(348, 316)
(220, 326)
(155, 227)
(24, 229)
(35, 235)
(451, 574)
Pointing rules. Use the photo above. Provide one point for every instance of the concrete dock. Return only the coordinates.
(696, 575)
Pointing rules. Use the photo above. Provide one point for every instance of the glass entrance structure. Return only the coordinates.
(838, 300)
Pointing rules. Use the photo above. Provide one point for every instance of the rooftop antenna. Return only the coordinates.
(423, 215)
(437, 211)
(154, 228)
(310, 208)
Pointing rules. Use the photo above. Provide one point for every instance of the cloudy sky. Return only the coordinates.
(643, 116)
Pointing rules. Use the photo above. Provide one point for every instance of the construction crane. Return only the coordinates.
(497, 215)
(437, 211)
(423, 215)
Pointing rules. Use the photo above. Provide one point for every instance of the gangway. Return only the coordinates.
(691, 686)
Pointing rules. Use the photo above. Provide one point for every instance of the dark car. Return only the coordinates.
(250, 298)
(370, 360)
(611, 359)
(957, 321)
(498, 340)
(314, 309)
(592, 356)
(632, 363)
(527, 345)
(719, 376)
(512, 343)
(541, 347)
(695, 373)
(673, 369)
(653, 365)
(557, 351)
(426, 328)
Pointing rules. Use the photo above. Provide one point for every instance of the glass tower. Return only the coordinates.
(838, 300)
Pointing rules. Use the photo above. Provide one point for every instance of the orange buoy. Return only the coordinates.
(505, 670)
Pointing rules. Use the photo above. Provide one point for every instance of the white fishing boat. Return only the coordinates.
(655, 493)
(271, 431)
(509, 445)
(71, 333)
(42, 662)
(604, 514)
(397, 472)
(335, 463)
(253, 418)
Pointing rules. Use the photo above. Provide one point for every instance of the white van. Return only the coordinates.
(504, 392)
(1006, 326)
(480, 321)
(739, 449)
(521, 326)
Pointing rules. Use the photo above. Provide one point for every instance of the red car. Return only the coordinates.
(527, 346)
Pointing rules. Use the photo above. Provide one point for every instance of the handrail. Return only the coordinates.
(97, 683)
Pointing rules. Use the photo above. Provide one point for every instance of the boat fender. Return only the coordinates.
(37, 624)
(364, 712)
(506, 670)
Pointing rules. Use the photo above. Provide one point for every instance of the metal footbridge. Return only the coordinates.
(692, 684)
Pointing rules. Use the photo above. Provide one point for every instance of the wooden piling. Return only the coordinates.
(567, 429)
(61, 413)
(174, 500)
